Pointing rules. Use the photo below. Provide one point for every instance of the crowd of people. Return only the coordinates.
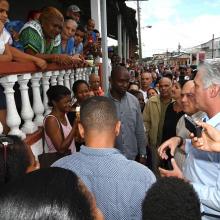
(126, 154)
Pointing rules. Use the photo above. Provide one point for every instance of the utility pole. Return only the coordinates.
(213, 38)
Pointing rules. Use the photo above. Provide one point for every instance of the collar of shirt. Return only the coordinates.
(114, 99)
(105, 151)
(214, 121)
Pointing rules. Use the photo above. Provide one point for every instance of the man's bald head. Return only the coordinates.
(146, 80)
(94, 81)
(165, 85)
(188, 98)
(119, 80)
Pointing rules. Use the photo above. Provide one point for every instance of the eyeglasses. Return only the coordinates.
(5, 142)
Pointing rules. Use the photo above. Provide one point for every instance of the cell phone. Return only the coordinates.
(192, 126)
(166, 163)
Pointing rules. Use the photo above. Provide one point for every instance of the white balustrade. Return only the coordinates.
(38, 106)
(27, 113)
(84, 73)
(13, 119)
(72, 78)
(60, 77)
(96, 70)
(1, 128)
(67, 79)
(89, 70)
(46, 84)
(54, 76)
(77, 74)
(81, 73)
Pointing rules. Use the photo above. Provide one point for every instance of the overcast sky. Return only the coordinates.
(188, 22)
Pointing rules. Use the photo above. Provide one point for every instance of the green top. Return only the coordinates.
(31, 36)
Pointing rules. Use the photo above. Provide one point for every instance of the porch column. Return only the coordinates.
(128, 47)
(96, 13)
(124, 44)
(104, 47)
(119, 35)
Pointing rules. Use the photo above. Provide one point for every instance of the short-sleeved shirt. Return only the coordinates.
(77, 49)
(118, 184)
(32, 37)
(4, 39)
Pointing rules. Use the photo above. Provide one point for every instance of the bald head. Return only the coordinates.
(146, 80)
(119, 81)
(165, 85)
(90, 25)
(188, 98)
(94, 81)
(118, 70)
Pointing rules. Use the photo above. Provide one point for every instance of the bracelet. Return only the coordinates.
(142, 156)
(181, 142)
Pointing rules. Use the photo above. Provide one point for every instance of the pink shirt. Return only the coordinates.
(66, 130)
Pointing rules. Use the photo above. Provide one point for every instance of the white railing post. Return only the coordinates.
(46, 84)
(87, 73)
(77, 73)
(27, 113)
(1, 128)
(67, 78)
(84, 73)
(81, 73)
(72, 79)
(89, 70)
(38, 106)
(13, 119)
(96, 70)
(54, 76)
(60, 77)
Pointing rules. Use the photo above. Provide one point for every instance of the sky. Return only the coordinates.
(185, 22)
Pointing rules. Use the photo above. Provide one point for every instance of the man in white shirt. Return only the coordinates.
(201, 169)
(146, 80)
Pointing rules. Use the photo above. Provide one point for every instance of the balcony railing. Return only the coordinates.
(33, 115)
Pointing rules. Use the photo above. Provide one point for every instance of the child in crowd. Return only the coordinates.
(13, 27)
(78, 39)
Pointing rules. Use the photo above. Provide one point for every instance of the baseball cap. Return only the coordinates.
(73, 8)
